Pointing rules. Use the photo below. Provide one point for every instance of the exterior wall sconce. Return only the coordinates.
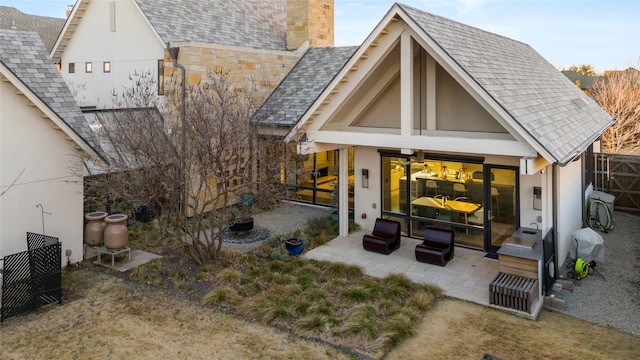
(537, 198)
(365, 178)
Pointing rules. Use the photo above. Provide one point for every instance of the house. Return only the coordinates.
(582, 81)
(452, 126)
(105, 41)
(47, 27)
(43, 139)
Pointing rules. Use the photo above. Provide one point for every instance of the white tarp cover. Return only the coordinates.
(590, 245)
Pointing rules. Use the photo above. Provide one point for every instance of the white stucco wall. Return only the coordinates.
(132, 47)
(569, 205)
(52, 177)
(367, 200)
(528, 214)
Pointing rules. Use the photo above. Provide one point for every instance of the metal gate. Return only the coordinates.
(32, 278)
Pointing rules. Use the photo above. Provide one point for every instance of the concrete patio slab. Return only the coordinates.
(466, 276)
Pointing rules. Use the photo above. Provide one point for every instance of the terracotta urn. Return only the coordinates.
(94, 229)
(116, 235)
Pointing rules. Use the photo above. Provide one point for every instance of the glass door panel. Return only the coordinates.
(393, 185)
(502, 202)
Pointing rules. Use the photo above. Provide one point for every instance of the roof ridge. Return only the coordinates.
(401, 5)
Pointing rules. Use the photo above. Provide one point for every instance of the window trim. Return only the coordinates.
(72, 68)
(88, 67)
(106, 66)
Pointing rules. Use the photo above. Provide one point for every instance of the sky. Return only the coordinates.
(602, 33)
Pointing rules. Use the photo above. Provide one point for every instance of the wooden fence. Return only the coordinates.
(619, 175)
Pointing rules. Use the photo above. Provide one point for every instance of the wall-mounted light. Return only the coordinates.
(537, 198)
(365, 178)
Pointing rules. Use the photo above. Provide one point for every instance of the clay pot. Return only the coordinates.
(94, 229)
(116, 235)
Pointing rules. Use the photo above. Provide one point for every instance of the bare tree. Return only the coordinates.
(584, 69)
(619, 95)
(195, 167)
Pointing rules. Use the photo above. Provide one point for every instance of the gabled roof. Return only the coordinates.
(302, 85)
(545, 109)
(552, 110)
(260, 24)
(26, 63)
(47, 27)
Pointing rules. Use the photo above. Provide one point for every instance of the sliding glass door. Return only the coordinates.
(502, 204)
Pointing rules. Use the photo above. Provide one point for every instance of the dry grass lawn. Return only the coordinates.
(109, 318)
(455, 329)
(114, 319)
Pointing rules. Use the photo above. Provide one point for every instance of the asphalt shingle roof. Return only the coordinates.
(259, 24)
(24, 54)
(303, 84)
(538, 96)
(47, 27)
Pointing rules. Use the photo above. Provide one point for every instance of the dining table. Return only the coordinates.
(462, 207)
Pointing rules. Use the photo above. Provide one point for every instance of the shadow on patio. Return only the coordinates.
(466, 276)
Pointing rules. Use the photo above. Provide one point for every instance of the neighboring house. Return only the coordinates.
(104, 41)
(429, 108)
(43, 139)
(582, 81)
(47, 27)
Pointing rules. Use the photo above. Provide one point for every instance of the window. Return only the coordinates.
(72, 68)
(88, 67)
(106, 66)
(160, 77)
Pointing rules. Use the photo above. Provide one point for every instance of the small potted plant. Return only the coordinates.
(294, 246)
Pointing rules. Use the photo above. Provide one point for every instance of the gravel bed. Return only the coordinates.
(611, 295)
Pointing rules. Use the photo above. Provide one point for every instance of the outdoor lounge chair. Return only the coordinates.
(437, 247)
(385, 237)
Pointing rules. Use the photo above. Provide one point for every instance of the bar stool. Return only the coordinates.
(459, 189)
(432, 185)
(496, 194)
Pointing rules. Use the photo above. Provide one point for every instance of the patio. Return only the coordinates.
(466, 276)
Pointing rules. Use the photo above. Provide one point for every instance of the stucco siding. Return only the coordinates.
(132, 47)
(52, 177)
(385, 111)
(457, 110)
(367, 200)
(569, 205)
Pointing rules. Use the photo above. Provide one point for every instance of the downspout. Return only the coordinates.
(173, 53)
(554, 204)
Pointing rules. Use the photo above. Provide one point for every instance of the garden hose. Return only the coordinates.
(581, 268)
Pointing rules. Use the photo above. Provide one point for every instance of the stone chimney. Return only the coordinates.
(309, 20)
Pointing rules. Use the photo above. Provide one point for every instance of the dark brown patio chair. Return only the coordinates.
(437, 247)
(385, 237)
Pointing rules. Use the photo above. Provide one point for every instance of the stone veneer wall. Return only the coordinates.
(266, 68)
(312, 21)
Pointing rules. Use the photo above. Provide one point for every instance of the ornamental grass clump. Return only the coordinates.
(221, 295)
(342, 270)
(229, 277)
